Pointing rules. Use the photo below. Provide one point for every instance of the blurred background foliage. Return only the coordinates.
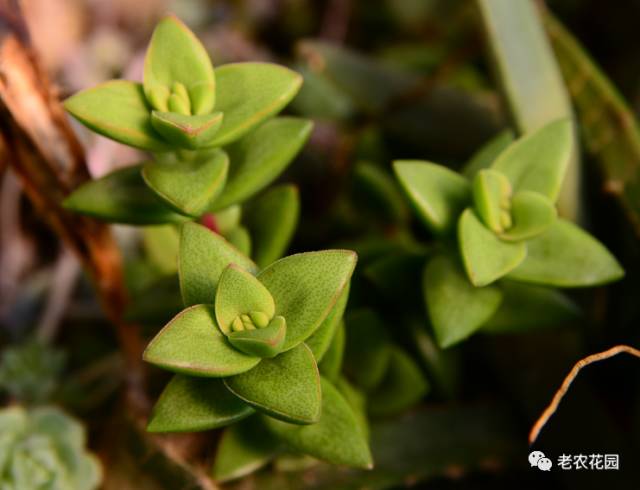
(384, 80)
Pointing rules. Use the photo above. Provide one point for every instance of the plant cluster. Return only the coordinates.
(254, 339)
(497, 224)
(257, 342)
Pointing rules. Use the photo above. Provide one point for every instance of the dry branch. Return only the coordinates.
(38, 143)
(562, 391)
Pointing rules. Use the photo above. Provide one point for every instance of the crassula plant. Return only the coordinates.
(212, 134)
(497, 223)
(258, 337)
(250, 340)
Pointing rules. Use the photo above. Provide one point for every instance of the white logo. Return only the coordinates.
(537, 458)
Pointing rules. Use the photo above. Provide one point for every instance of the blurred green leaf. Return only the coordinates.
(438, 194)
(456, 307)
(527, 307)
(567, 256)
(486, 257)
(272, 219)
(368, 349)
(402, 387)
(122, 197)
(532, 214)
(322, 338)
(487, 153)
(189, 404)
(336, 437)
(161, 247)
(539, 160)
(243, 448)
(331, 362)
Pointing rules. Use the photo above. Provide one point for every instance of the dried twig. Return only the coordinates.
(40, 146)
(557, 398)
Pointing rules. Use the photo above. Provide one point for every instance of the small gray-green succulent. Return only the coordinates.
(44, 449)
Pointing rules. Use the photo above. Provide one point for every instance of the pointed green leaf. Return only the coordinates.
(321, 339)
(190, 404)
(203, 256)
(238, 293)
(243, 449)
(367, 351)
(527, 307)
(487, 153)
(272, 219)
(228, 219)
(438, 194)
(305, 287)
(187, 131)
(356, 400)
(261, 156)
(456, 307)
(248, 93)
(486, 257)
(117, 110)
(532, 214)
(240, 238)
(160, 245)
(402, 387)
(492, 199)
(331, 363)
(121, 197)
(189, 186)
(176, 55)
(261, 342)
(286, 387)
(567, 256)
(336, 438)
(193, 344)
(538, 161)
(377, 194)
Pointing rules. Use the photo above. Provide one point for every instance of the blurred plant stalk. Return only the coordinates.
(531, 80)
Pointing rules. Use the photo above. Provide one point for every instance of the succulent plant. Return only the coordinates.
(29, 372)
(502, 215)
(44, 449)
(250, 340)
(212, 132)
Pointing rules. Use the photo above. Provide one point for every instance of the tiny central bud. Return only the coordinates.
(179, 100)
(250, 321)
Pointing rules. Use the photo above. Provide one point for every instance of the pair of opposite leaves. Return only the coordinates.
(286, 387)
(506, 226)
(173, 111)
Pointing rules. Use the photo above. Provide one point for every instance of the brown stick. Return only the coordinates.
(562, 391)
(39, 144)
